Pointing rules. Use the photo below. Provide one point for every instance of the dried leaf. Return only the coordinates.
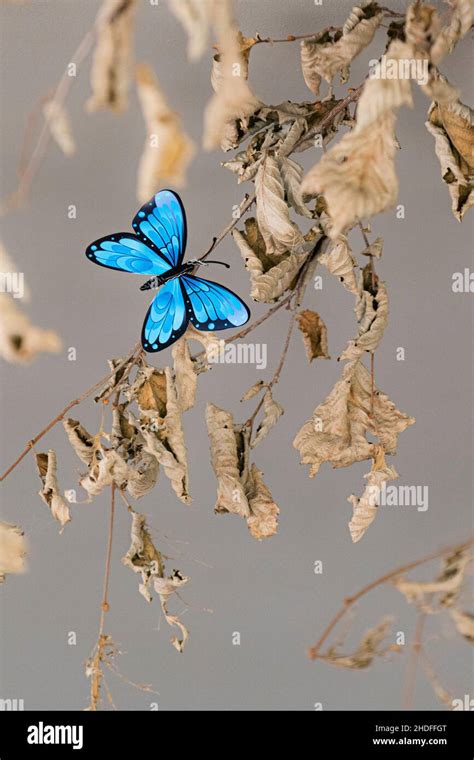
(464, 622)
(314, 332)
(185, 374)
(365, 508)
(253, 391)
(460, 23)
(20, 340)
(106, 467)
(112, 62)
(234, 101)
(278, 231)
(143, 557)
(168, 150)
(446, 587)
(59, 126)
(372, 315)
(143, 476)
(195, 17)
(357, 176)
(226, 456)
(292, 174)
(81, 441)
(13, 550)
(326, 56)
(272, 412)
(151, 390)
(263, 518)
(375, 249)
(50, 493)
(337, 431)
(453, 129)
(341, 263)
(373, 644)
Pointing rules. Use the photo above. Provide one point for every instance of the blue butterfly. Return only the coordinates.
(157, 248)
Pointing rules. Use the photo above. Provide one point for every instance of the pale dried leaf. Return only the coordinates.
(464, 622)
(341, 263)
(253, 391)
(278, 231)
(365, 508)
(225, 460)
(13, 550)
(168, 150)
(81, 441)
(373, 644)
(112, 62)
(263, 518)
(150, 390)
(185, 374)
(445, 588)
(143, 477)
(292, 174)
(326, 56)
(372, 316)
(20, 340)
(195, 16)
(50, 492)
(314, 332)
(337, 431)
(272, 412)
(59, 126)
(106, 468)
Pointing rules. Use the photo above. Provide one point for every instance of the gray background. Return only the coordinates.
(267, 591)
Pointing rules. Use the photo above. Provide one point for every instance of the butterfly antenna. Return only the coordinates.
(201, 262)
(224, 264)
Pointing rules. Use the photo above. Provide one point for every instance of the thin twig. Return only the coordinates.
(244, 206)
(416, 647)
(314, 651)
(102, 639)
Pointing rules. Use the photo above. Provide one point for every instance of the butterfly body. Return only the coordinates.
(157, 249)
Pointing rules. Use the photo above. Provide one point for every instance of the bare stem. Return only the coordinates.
(314, 651)
(416, 647)
(102, 638)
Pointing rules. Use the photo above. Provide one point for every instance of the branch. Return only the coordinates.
(314, 651)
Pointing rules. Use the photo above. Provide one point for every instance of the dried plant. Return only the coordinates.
(300, 221)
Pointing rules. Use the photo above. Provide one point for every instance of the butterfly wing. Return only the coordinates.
(211, 306)
(162, 224)
(127, 253)
(167, 317)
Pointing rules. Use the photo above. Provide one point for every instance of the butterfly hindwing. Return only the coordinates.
(211, 306)
(162, 223)
(166, 319)
(126, 253)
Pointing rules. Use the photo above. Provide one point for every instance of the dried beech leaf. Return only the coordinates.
(337, 431)
(446, 587)
(194, 15)
(151, 394)
(81, 441)
(341, 263)
(365, 508)
(225, 460)
(373, 644)
(464, 622)
(326, 56)
(375, 249)
(185, 374)
(277, 229)
(315, 336)
(50, 493)
(263, 518)
(272, 412)
(20, 340)
(13, 550)
(453, 129)
(106, 467)
(253, 391)
(59, 126)
(234, 101)
(292, 174)
(460, 23)
(372, 316)
(168, 150)
(112, 62)
(143, 477)
(143, 557)
(357, 176)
